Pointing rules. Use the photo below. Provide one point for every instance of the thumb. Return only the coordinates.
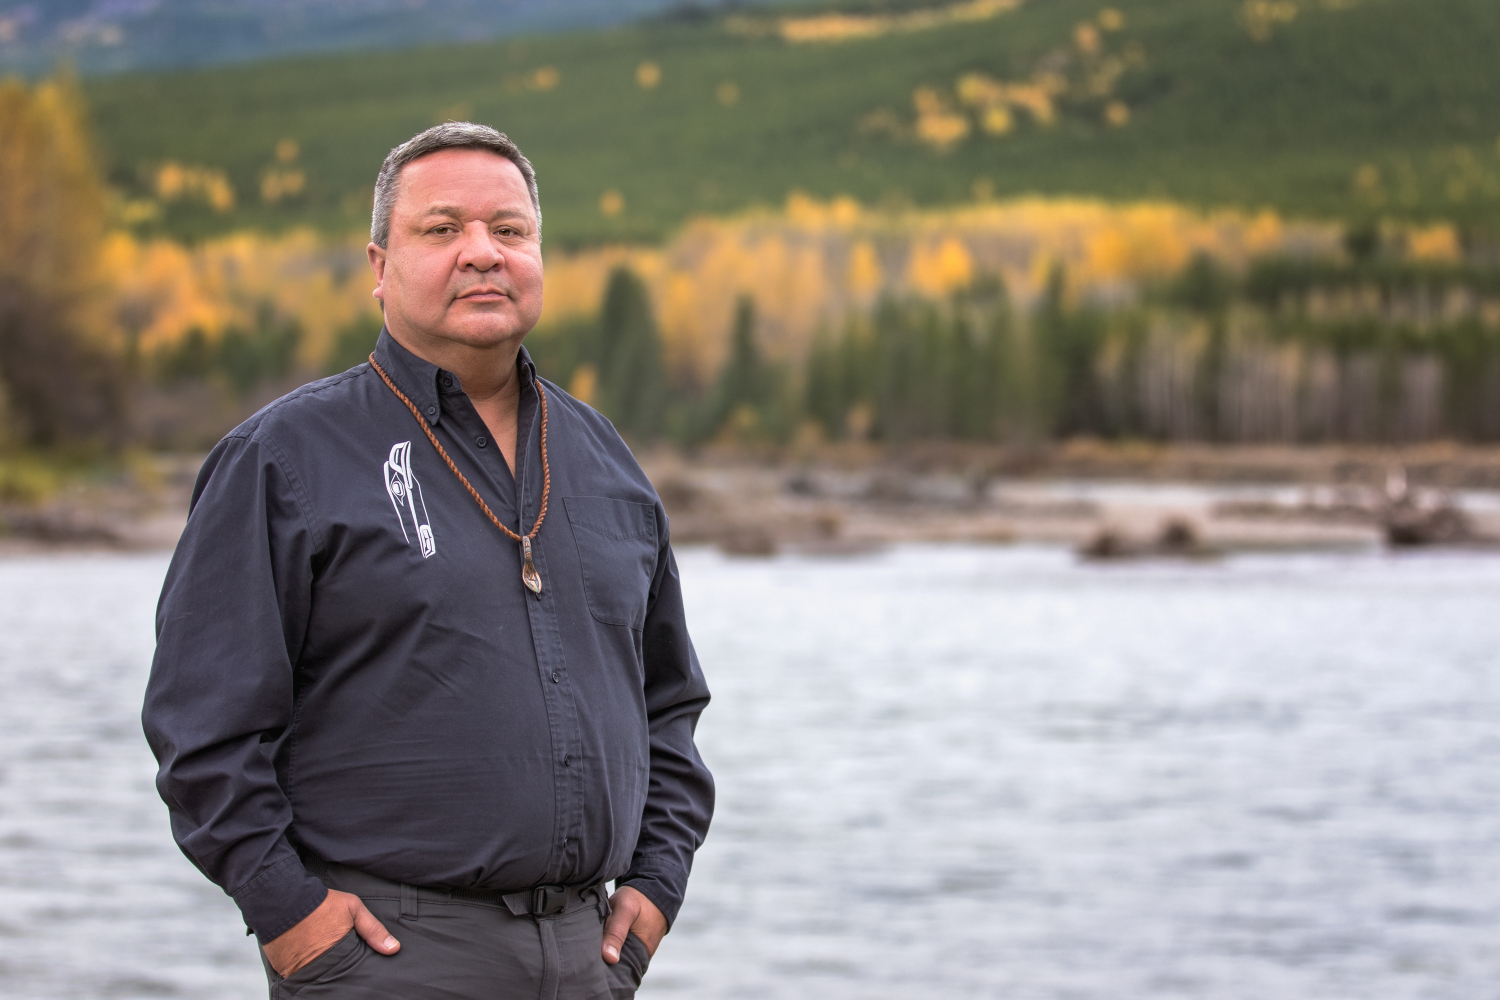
(372, 930)
(621, 915)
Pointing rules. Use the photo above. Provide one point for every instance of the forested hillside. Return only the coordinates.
(1349, 109)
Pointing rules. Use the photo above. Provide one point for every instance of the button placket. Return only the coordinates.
(546, 642)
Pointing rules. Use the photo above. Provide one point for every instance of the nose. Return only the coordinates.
(479, 249)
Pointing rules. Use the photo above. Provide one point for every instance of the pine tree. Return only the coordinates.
(965, 416)
(746, 384)
(892, 366)
(996, 359)
(823, 398)
(1068, 340)
(632, 382)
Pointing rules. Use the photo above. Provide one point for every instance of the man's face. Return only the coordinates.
(463, 264)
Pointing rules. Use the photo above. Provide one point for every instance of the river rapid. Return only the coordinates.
(943, 772)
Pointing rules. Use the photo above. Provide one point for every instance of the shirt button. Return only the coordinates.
(448, 381)
(568, 761)
(431, 410)
(555, 677)
(481, 440)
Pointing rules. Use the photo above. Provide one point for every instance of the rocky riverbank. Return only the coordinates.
(1107, 501)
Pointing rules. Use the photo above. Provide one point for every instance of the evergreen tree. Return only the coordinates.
(996, 359)
(892, 367)
(632, 382)
(858, 368)
(965, 402)
(1068, 342)
(745, 381)
(822, 393)
(1206, 290)
(926, 372)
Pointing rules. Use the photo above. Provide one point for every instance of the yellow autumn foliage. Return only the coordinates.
(1084, 73)
(865, 277)
(1438, 244)
(176, 181)
(1261, 17)
(53, 207)
(811, 264)
(163, 290)
(277, 184)
(816, 262)
(826, 28)
(937, 270)
(938, 125)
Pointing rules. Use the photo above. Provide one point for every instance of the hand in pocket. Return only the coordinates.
(325, 927)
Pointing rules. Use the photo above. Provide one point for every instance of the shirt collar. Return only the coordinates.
(527, 366)
(422, 381)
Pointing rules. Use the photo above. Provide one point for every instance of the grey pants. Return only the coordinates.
(465, 949)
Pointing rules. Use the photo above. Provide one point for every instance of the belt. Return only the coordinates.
(538, 901)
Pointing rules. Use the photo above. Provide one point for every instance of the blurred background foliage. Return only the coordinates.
(779, 225)
(60, 381)
(1348, 109)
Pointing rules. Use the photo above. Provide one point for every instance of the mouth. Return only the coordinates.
(484, 295)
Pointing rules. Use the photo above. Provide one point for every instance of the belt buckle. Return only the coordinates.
(547, 900)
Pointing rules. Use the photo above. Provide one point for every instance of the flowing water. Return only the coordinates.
(943, 772)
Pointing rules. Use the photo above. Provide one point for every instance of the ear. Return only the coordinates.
(376, 253)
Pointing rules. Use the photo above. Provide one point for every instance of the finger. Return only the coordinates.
(372, 930)
(621, 916)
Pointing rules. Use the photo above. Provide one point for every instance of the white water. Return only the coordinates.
(949, 772)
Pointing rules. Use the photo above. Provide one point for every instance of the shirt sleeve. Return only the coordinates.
(232, 616)
(680, 796)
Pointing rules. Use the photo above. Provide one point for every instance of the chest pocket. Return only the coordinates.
(617, 552)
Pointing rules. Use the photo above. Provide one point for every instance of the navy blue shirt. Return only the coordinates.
(348, 663)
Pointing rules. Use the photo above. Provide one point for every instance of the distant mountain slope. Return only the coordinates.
(103, 36)
(1344, 108)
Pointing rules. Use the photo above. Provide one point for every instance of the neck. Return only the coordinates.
(489, 377)
(488, 373)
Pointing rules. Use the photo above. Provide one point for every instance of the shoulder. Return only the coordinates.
(342, 397)
(589, 433)
(275, 452)
(576, 411)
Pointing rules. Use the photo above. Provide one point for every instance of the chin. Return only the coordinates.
(484, 334)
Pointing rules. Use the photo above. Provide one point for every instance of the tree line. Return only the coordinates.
(1291, 351)
(1367, 344)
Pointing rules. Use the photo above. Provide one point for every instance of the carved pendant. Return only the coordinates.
(529, 575)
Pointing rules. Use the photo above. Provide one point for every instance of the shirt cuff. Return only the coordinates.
(279, 898)
(664, 884)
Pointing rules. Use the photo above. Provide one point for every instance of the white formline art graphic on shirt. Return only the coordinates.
(406, 497)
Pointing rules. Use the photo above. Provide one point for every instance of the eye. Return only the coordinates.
(444, 229)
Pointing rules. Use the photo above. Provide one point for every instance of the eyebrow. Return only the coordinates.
(508, 213)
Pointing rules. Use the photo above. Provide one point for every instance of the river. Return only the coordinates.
(943, 772)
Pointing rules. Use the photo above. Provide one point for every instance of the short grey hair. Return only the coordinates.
(449, 135)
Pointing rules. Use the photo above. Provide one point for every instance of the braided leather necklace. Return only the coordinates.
(529, 576)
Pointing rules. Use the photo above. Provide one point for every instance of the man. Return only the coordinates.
(422, 681)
